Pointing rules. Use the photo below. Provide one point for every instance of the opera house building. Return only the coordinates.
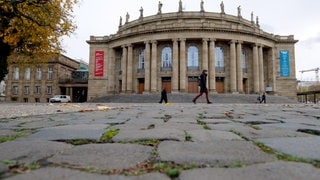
(171, 49)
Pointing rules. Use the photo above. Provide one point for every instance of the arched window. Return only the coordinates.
(219, 59)
(141, 59)
(244, 61)
(193, 58)
(166, 58)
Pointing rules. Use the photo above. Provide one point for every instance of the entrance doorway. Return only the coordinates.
(140, 86)
(244, 86)
(193, 84)
(166, 83)
(220, 84)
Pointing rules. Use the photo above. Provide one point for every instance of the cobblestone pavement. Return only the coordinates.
(183, 141)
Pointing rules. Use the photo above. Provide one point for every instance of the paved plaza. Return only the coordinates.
(142, 141)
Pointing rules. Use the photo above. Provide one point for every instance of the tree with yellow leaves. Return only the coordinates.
(31, 30)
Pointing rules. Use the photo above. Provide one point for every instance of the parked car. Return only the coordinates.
(60, 98)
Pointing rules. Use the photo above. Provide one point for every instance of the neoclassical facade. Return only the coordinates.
(171, 50)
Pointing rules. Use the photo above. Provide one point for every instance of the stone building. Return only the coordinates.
(38, 82)
(171, 49)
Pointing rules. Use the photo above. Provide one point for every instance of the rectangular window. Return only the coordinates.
(39, 74)
(38, 90)
(50, 73)
(49, 89)
(16, 73)
(26, 89)
(15, 90)
(27, 74)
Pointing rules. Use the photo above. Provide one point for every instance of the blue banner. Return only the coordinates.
(284, 63)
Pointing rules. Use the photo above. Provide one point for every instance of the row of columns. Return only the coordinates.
(179, 75)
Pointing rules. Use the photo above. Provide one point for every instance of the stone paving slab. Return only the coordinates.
(212, 153)
(104, 156)
(212, 135)
(304, 147)
(79, 131)
(253, 134)
(56, 173)
(157, 133)
(30, 151)
(267, 171)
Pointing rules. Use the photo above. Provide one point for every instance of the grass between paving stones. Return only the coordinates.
(202, 123)
(107, 136)
(21, 133)
(166, 117)
(187, 136)
(286, 157)
(279, 155)
(16, 168)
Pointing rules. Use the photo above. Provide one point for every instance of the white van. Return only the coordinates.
(60, 98)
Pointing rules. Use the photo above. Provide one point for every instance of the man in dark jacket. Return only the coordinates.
(164, 96)
(203, 87)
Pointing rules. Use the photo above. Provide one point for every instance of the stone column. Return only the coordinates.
(124, 69)
(147, 64)
(212, 66)
(272, 67)
(111, 71)
(183, 65)
(233, 70)
(204, 54)
(129, 70)
(154, 70)
(261, 72)
(239, 68)
(256, 87)
(175, 67)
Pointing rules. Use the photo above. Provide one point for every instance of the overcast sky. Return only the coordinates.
(300, 18)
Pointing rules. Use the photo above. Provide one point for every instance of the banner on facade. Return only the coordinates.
(98, 63)
(284, 63)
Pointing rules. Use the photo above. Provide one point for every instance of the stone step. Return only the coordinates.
(187, 98)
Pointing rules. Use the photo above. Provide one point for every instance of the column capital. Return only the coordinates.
(124, 46)
(175, 39)
(239, 42)
(205, 39)
(182, 39)
(232, 41)
(146, 42)
(154, 42)
(212, 39)
(129, 45)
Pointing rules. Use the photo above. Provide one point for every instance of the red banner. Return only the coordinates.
(98, 63)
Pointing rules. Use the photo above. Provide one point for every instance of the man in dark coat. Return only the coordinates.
(164, 96)
(203, 87)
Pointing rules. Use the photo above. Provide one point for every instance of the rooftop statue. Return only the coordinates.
(239, 11)
(127, 17)
(159, 7)
(180, 6)
(201, 6)
(141, 12)
(222, 7)
(120, 22)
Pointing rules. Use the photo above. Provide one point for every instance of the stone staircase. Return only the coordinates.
(187, 98)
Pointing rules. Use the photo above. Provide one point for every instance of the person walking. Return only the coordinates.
(164, 96)
(203, 87)
(263, 98)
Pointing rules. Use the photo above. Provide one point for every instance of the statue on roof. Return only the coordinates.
(239, 11)
(257, 21)
(252, 16)
(201, 6)
(222, 7)
(127, 17)
(159, 7)
(141, 12)
(180, 6)
(120, 21)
